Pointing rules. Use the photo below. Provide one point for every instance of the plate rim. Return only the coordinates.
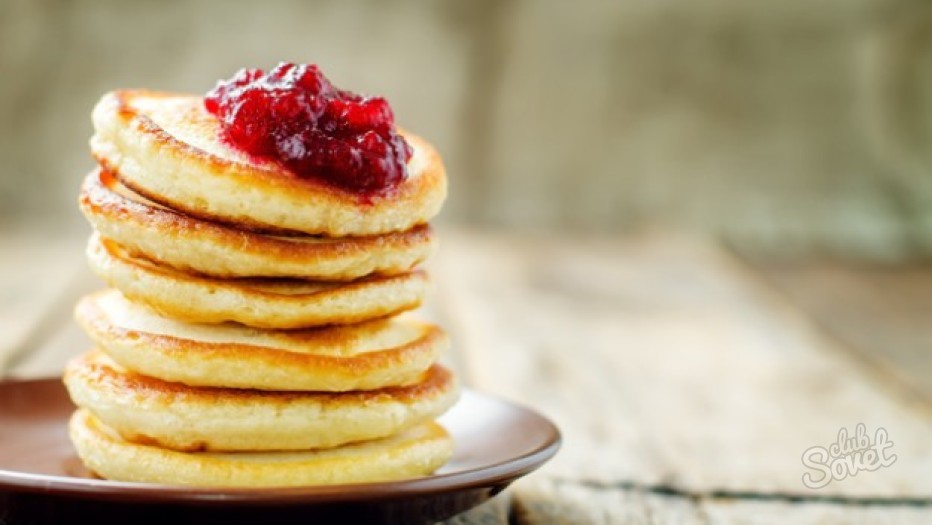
(492, 475)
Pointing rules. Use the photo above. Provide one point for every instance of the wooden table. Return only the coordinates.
(687, 381)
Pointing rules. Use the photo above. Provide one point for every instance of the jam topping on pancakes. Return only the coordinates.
(294, 115)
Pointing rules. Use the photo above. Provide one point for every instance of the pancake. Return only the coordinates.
(168, 148)
(172, 415)
(269, 303)
(374, 354)
(147, 229)
(416, 452)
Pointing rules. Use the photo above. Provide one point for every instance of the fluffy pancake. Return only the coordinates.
(273, 303)
(384, 352)
(168, 148)
(172, 415)
(147, 229)
(416, 452)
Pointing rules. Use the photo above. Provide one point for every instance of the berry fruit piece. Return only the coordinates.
(294, 115)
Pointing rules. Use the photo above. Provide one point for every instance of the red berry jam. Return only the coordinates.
(294, 115)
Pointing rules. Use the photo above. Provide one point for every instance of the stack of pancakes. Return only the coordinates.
(253, 335)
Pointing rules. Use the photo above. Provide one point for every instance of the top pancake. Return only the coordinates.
(167, 148)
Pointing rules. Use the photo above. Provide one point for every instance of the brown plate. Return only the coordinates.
(42, 481)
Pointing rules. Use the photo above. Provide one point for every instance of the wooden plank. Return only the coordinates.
(37, 277)
(59, 345)
(665, 365)
(675, 376)
(540, 501)
(748, 511)
(880, 312)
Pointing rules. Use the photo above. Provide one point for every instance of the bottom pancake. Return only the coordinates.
(416, 452)
(146, 410)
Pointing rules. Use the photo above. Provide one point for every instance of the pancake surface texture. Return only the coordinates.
(374, 354)
(415, 452)
(172, 415)
(174, 239)
(282, 304)
(167, 147)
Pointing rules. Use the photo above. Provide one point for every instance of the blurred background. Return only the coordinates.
(784, 128)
